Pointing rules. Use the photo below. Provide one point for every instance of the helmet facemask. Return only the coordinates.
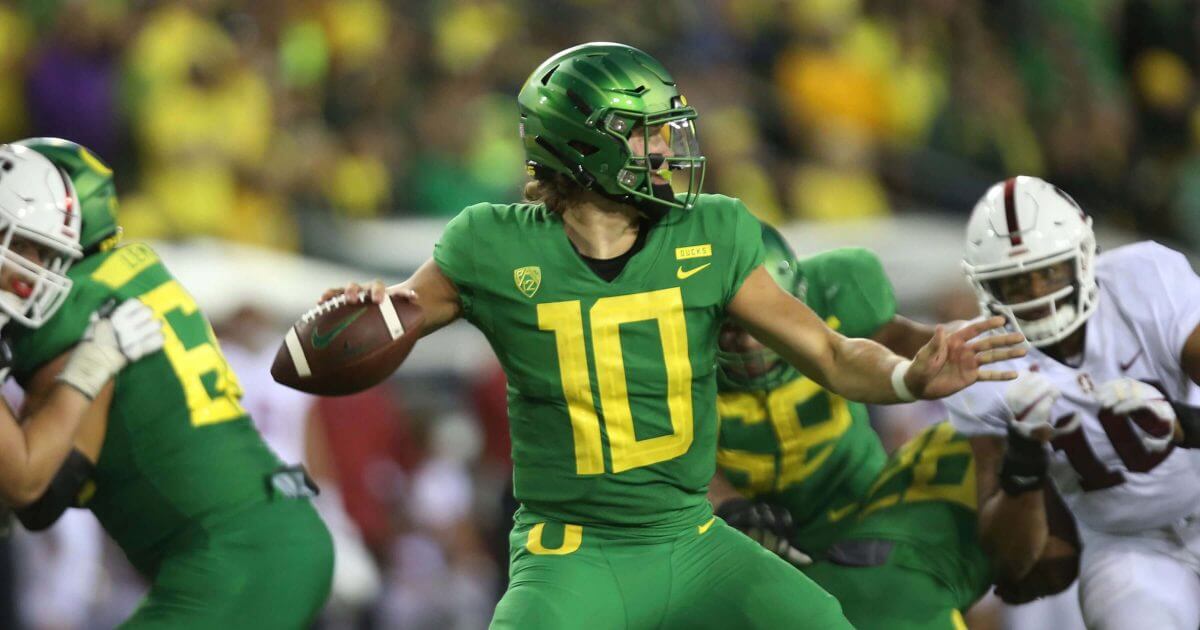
(1047, 319)
(40, 288)
(749, 368)
(658, 147)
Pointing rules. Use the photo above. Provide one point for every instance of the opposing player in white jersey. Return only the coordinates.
(1104, 408)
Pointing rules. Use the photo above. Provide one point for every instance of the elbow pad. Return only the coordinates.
(72, 486)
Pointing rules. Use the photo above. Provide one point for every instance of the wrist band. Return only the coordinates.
(898, 385)
(1024, 466)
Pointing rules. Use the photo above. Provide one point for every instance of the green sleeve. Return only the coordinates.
(748, 250)
(455, 255)
(33, 348)
(854, 287)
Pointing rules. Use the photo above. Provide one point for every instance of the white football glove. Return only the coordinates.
(1155, 425)
(1030, 399)
(111, 342)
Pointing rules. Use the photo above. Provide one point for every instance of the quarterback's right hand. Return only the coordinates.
(1030, 399)
(112, 341)
(373, 291)
(766, 524)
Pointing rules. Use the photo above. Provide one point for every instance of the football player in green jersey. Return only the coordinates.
(895, 539)
(909, 556)
(602, 297)
(167, 459)
(795, 452)
(39, 239)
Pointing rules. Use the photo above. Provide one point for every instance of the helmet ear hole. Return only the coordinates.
(579, 103)
(583, 148)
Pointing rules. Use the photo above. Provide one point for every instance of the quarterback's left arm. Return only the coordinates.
(861, 369)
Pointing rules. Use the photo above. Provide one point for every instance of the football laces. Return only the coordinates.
(327, 306)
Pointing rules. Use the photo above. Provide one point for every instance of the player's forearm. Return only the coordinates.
(860, 369)
(1013, 532)
(35, 450)
(1054, 571)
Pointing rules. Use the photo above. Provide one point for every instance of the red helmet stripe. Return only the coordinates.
(1010, 212)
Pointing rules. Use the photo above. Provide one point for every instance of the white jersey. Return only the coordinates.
(279, 413)
(1149, 304)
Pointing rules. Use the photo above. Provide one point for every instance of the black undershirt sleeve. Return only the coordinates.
(63, 492)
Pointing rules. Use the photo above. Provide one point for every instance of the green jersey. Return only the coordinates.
(611, 385)
(924, 500)
(799, 445)
(179, 452)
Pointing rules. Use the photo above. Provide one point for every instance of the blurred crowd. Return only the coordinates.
(256, 120)
(246, 119)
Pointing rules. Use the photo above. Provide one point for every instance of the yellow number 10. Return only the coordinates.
(565, 320)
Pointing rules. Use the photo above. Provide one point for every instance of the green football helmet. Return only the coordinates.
(582, 107)
(763, 368)
(94, 187)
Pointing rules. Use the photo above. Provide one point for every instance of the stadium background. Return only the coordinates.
(273, 148)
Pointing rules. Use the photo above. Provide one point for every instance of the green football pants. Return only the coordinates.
(711, 576)
(268, 567)
(889, 597)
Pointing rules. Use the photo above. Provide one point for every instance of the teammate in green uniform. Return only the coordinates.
(167, 459)
(895, 539)
(602, 299)
(39, 239)
(910, 557)
(786, 441)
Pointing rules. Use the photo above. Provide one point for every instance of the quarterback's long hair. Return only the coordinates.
(555, 190)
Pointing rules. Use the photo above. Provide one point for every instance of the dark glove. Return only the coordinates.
(766, 524)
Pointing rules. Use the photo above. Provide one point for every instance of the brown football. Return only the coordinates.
(337, 348)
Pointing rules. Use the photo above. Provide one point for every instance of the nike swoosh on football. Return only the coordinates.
(1129, 364)
(320, 340)
(684, 275)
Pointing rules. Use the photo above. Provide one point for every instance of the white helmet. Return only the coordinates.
(1023, 224)
(37, 203)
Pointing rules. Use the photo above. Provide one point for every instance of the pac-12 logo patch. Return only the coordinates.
(528, 279)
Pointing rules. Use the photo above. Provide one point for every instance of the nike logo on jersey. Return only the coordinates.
(684, 275)
(320, 340)
(1129, 364)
